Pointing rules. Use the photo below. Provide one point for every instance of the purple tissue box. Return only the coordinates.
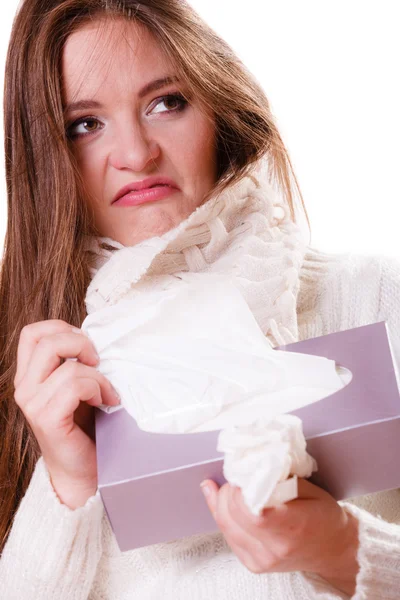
(149, 482)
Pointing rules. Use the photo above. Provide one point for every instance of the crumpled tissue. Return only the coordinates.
(191, 357)
(259, 459)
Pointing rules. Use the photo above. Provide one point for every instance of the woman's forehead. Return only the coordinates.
(118, 54)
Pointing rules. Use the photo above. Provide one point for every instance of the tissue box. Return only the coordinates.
(150, 483)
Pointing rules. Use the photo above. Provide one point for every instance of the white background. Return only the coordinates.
(330, 71)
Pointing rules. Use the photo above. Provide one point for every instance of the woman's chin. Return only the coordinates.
(154, 224)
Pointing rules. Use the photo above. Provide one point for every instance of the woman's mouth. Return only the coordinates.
(151, 194)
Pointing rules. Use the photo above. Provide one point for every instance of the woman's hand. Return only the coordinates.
(311, 533)
(52, 396)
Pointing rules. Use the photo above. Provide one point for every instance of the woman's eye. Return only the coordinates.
(173, 98)
(83, 121)
(177, 101)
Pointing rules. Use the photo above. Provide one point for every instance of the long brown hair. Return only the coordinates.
(44, 272)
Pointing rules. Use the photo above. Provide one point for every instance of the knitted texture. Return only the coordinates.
(52, 551)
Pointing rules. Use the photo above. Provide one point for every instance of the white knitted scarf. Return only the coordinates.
(245, 232)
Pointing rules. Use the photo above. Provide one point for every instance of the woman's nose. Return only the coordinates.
(132, 149)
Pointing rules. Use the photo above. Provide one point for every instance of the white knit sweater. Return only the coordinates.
(57, 553)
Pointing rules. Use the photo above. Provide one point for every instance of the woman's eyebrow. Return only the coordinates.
(157, 84)
(147, 89)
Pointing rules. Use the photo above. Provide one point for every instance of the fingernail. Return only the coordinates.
(79, 331)
(118, 397)
(205, 488)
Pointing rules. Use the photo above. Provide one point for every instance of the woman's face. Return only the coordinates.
(133, 134)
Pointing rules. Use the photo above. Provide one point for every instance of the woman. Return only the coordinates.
(64, 180)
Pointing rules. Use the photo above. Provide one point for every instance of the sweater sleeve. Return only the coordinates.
(379, 541)
(379, 551)
(52, 551)
(378, 556)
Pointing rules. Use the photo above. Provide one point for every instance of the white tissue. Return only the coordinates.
(260, 457)
(180, 356)
(190, 357)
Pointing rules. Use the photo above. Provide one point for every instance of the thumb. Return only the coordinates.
(210, 491)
